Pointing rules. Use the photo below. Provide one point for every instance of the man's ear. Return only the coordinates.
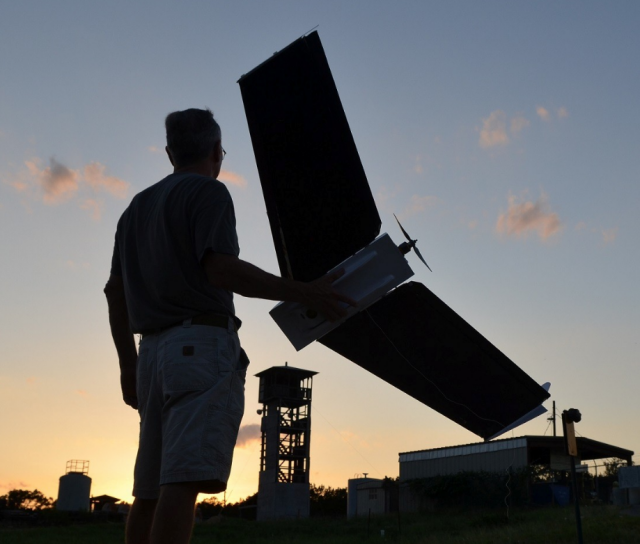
(166, 148)
(216, 152)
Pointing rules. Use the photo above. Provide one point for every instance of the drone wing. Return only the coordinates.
(318, 200)
(415, 342)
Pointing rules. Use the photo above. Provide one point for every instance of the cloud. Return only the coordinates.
(494, 130)
(248, 434)
(31, 380)
(13, 485)
(543, 113)
(232, 178)
(95, 177)
(418, 204)
(94, 207)
(384, 196)
(72, 265)
(154, 149)
(19, 185)
(609, 235)
(82, 393)
(518, 123)
(525, 217)
(57, 183)
(562, 113)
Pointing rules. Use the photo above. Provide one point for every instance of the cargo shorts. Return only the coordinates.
(190, 387)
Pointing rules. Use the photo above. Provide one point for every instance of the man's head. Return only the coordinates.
(193, 137)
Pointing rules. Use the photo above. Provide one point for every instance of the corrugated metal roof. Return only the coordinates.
(467, 449)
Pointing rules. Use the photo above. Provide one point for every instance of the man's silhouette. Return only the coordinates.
(174, 270)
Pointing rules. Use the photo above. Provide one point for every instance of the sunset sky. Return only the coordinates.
(505, 136)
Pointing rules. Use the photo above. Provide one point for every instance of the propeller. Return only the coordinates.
(405, 247)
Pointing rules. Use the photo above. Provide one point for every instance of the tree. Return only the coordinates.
(611, 467)
(210, 507)
(328, 501)
(23, 499)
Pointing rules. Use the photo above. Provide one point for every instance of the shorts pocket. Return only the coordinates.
(190, 363)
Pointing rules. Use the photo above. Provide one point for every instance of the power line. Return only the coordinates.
(344, 439)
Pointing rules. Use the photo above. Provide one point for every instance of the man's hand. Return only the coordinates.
(128, 385)
(122, 338)
(229, 272)
(321, 296)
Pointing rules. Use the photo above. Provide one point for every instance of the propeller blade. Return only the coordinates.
(403, 231)
(415, 248)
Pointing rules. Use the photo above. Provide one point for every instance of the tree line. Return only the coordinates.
(325, 501)
(24, 499)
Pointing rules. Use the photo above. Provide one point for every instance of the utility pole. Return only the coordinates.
(552, 417)
(569, 419)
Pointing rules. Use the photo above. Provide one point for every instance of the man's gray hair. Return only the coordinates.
(191, 135)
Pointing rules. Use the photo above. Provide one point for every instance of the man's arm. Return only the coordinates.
(122, 338)
(231, 273)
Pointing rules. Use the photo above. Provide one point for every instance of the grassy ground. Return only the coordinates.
(601, 525)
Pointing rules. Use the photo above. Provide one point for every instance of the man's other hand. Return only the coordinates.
(325, 299)
(128, 385)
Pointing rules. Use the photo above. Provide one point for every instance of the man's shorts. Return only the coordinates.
(190, 386)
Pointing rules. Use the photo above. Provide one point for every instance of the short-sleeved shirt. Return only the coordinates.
(161, 240)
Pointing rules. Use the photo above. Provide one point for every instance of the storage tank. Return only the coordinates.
(74, 491)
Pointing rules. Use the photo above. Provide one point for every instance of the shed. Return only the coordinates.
(371, 496)
(97, 503)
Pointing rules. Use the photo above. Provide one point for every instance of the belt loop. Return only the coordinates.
(234, 323)
(187, 322)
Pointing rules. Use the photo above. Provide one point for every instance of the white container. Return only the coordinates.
(74, 492)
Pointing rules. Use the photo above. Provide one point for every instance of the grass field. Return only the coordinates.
(601, 525)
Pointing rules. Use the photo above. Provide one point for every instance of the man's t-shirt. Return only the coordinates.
(161, 240)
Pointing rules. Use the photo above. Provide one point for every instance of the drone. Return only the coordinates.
(323, 217)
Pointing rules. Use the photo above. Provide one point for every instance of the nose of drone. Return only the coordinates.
(405, 247)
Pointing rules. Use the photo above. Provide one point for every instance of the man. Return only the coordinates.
(175, 268)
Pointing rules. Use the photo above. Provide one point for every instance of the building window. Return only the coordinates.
(373, 494)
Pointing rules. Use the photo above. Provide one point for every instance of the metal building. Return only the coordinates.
(496, 456)
(74, 489)
(283, 489)
(629, 480)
